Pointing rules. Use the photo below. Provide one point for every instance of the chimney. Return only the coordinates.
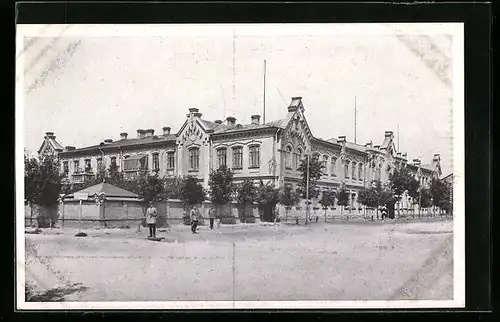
(149, 132)
(341, 138)
(197, 114)
(255, 119)
(107, 141)
(388, 133)
(295, 104)
(416, 162)
(70, 148)
(398, 154)
(166, 130)
(437, 157)
(231, 121)
(123, 136)
(50, 135)
(140, 133)
(404, 154)
(218, 122)
(376, 147)
(368, 145)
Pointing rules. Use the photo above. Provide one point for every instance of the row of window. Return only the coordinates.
(298, 156)
(253, 153)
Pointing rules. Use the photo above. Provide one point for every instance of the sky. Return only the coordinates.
(87, 87)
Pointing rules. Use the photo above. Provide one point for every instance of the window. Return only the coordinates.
(170, 160)
(222, 157)
(360, 171)
(65, 167)
(76, 166)
(353, 170)
(254, 156)
(88, 166)
(324, 164)
(298, 157)
(156, 162)
(346, 169)
(334, 166)
(238, 157)
(288, 157)
(113, 163)
(99, 164)
(194, 158)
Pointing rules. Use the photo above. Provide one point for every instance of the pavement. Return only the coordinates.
(340, 261)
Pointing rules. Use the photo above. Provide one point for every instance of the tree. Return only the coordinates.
(327, 200)
(401, 180)
(150, 187)
(268, 198)
(425, 198)
(221, 185)
(173, 187)
(315, 172)
(192, 192)
(437, 192)
(342, 199)
(289, 198)
(368, 197)
(42, 180)
(246, 194)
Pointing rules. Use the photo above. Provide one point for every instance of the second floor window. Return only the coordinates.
(333, 167)
(298, 157)
(360, 171)
(156, 162)
(194, 158)
(221, 157)
(99, 164)
(170, 160)
(353, 168)
(238, 157)
(324, 165)
(288, 157)
(346, 169)
(65, 167)
(254, 156)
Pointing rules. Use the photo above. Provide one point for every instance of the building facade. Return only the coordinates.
(270, 152)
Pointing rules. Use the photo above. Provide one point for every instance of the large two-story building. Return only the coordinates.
(270, 152)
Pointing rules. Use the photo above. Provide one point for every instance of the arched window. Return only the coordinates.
(333, 166)
(194, 158)
(254, 154)
(346, 169)
(324, 163)
(360, 171)
(237, 157)
(353, 170)
(156, 162)
(288, 157)
(298, 157)
(170, 160)
(222, 157)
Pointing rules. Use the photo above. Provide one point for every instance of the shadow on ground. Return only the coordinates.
(54, 295)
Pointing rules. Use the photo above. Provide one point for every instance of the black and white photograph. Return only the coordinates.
(250, 166)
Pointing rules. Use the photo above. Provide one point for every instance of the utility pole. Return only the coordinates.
(264, 100)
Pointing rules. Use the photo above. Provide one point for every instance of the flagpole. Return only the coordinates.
(264, 100)
(307, 189)
(355, 120)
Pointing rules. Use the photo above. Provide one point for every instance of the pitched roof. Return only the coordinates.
(55, 145)
(109, 189)
(356, 147)
(129, 142)
(224, 128)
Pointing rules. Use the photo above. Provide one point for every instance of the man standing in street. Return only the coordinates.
(194, 219)
(151, 220)
(211, 216)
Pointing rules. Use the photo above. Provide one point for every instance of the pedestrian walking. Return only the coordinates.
(151, 219)
(194, 219)
(211, 217)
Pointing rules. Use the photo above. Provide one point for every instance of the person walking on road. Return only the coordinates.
(151, 219)
(194, 219)
(211, 216)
